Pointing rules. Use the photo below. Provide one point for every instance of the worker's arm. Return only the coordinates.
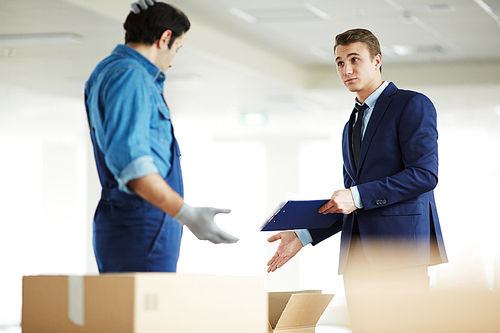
(200, 220)
(154, 189)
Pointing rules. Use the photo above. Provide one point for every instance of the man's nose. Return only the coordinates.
(347, 69)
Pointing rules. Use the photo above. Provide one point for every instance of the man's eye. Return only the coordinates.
(340, 63)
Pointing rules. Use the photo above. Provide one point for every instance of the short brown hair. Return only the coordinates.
(359, 35)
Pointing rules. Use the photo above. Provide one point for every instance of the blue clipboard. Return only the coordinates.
(299, 214)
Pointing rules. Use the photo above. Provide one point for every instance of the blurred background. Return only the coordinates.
(258, 111)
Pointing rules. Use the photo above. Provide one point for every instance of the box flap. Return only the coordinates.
(295, 330)
(278, 302)
(303, 310)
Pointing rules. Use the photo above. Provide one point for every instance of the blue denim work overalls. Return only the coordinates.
(130, 234)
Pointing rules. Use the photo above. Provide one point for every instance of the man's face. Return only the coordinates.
(357, 70)
(169, 54)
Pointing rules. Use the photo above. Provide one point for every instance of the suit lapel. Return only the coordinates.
(381, 107)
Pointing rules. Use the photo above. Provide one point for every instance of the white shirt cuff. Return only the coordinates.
(304, 236)
(356, 197)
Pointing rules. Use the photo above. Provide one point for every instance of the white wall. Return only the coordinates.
(469, 185)
(43, 213)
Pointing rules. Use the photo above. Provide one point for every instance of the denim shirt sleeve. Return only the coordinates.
(125, 132)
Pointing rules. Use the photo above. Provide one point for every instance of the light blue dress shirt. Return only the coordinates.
(303, 234)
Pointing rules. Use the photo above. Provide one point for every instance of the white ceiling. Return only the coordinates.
(437, 30)
(283, 56)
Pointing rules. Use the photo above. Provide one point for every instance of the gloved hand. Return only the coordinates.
(200, 220)
(137, 6)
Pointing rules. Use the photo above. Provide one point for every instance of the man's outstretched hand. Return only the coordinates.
(290, 245)
(200, 220)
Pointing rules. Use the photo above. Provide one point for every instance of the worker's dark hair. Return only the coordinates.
(148, 25)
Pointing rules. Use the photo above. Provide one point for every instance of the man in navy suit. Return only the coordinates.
(390, 227)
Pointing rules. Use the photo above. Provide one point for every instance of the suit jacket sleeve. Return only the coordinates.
(412, 170)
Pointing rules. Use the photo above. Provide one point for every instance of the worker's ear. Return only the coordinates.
(164, 39)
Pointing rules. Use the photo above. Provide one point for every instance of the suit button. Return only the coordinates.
(374, 202)
(384, 202)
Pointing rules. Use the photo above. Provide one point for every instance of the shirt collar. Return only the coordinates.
(152, 69)
(372, 99)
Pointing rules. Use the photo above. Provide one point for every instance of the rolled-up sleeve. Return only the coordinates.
(138, 168)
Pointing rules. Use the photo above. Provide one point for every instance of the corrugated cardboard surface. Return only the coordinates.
(278, 301)
(147, 302)
(296, 312)
(222, 304)
(296, 330)
(303, 310)
(109, 303)
(45, 306)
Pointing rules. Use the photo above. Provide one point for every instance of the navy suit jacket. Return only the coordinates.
(398, 170)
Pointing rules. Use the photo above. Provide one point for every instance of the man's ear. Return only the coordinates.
(164, 39)
(378, 61)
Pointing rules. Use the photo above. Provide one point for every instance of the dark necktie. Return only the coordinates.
(356, 132)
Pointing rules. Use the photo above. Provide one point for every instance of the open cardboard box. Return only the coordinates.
(296, 312)
(143, 303)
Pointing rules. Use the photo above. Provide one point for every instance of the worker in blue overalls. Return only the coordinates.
(138, 222)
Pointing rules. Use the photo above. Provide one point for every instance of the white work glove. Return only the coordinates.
(200, 220)
(137, 6)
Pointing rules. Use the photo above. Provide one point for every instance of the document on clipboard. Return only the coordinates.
(292, 214)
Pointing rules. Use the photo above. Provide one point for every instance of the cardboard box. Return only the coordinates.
(144, 303)
(296, 312)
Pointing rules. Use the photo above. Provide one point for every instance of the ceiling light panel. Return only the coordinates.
(301, 12)
(494, 4)
(440, 8)
(405, 50)
(62, 37)
(491, 11)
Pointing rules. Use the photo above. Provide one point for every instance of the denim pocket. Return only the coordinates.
(164, 126)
